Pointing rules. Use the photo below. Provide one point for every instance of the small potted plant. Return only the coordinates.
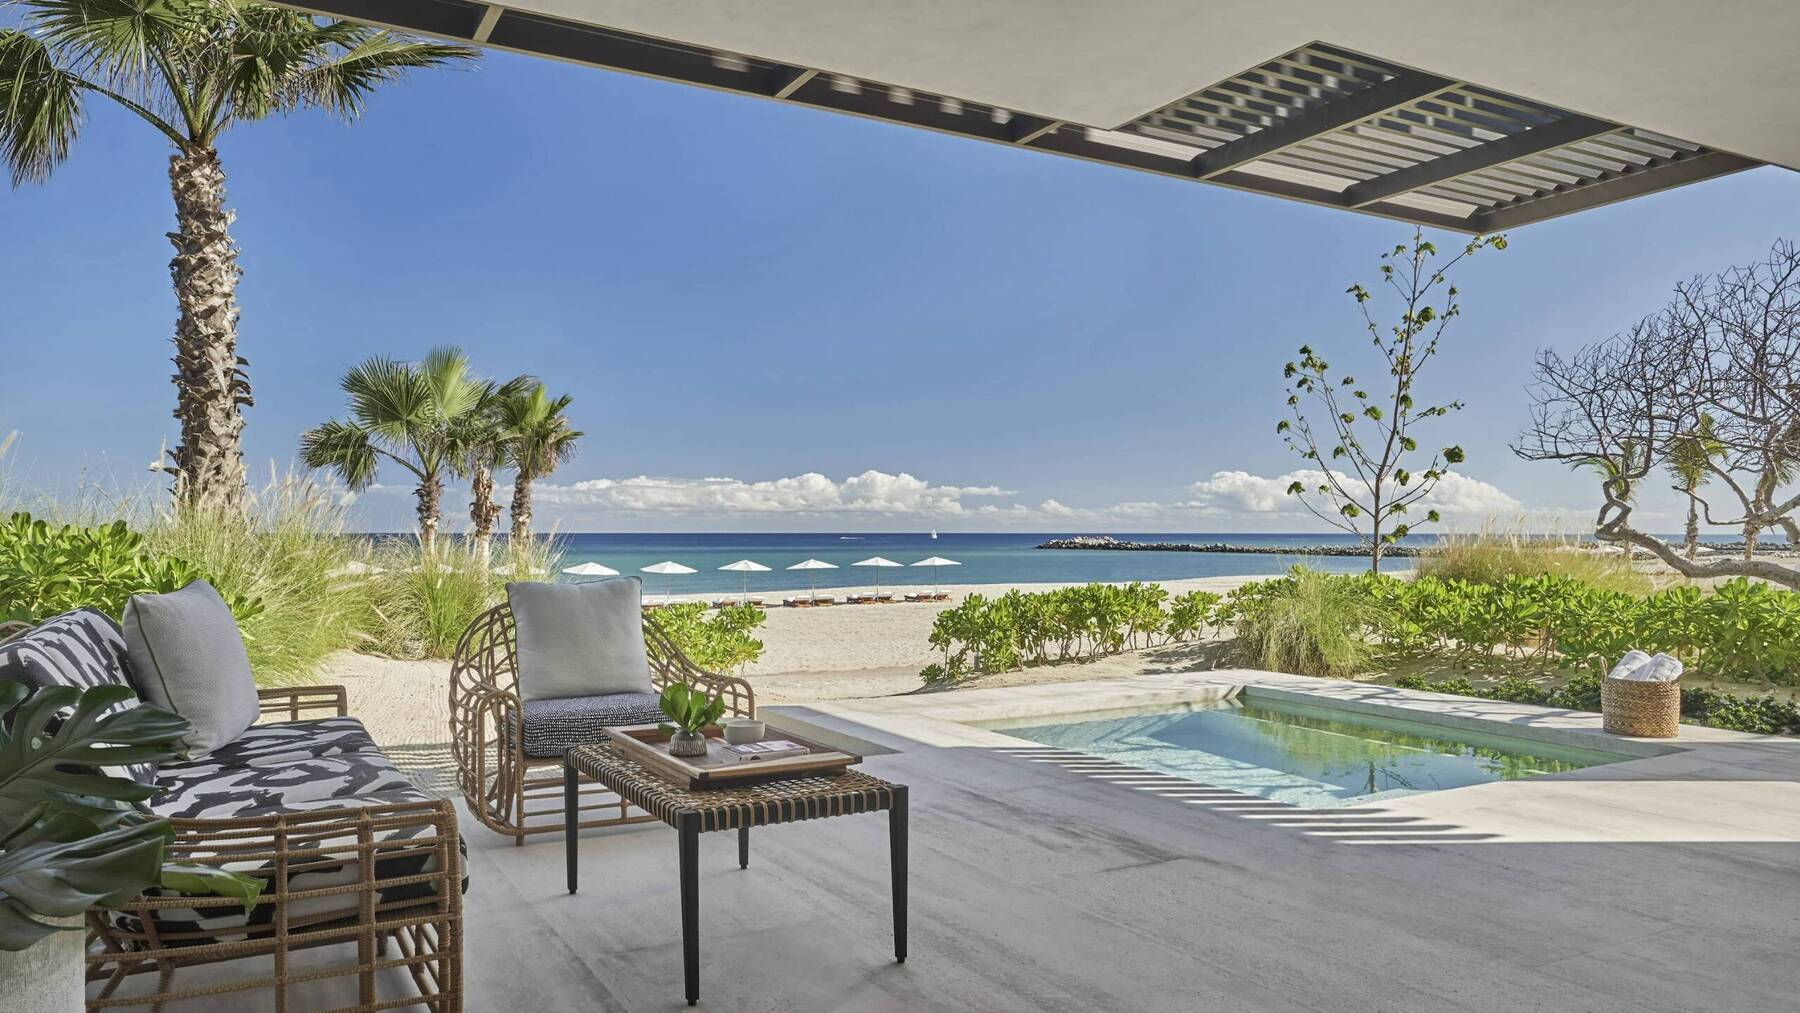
(689, 712)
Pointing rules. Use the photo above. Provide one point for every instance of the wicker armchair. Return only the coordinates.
(487, 732)
(395, 896)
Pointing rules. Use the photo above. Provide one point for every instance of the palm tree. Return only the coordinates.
(539, 439)
(410, 414)
(1689, 457)
(191, 69)
(479, 443)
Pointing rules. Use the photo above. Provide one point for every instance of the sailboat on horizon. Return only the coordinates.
(934, 532)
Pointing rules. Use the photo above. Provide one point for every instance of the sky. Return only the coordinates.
(775, 318)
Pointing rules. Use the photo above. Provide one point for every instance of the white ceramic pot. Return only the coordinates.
(51, 977)
(738, 731)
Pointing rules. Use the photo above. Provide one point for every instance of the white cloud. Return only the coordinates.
(872, 492)
(1456, 495)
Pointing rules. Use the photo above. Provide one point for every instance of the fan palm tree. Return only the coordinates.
(1688, 460)
(478, 446)
(408, 413)
(191, 69)
(539, 438)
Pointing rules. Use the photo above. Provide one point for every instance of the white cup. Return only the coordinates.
(741, 730)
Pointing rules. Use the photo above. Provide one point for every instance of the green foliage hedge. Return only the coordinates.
(983, 635)
(1740, 631)
(1764, 715)
(718, 643)
(47, 570)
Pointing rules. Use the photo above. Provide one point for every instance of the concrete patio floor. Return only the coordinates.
(1036, 887)
(1662, 883)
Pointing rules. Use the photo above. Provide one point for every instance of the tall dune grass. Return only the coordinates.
(1309, 623)
(1497, 551)
(290, 552)
(420, 605)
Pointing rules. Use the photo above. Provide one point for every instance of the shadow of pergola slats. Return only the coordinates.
(1343, 825)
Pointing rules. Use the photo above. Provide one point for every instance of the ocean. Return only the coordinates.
(984, 559)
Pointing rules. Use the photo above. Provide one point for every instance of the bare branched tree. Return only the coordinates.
(1708, 389)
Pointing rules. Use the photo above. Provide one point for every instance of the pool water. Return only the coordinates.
(1314, 757)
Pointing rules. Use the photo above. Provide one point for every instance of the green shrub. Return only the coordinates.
(47, 570)
(981, 635)
(1764, 715)
(720, 643)
(1308, 623)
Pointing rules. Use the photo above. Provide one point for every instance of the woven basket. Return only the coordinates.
(1649, 710)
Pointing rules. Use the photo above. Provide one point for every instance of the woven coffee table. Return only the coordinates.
(693, 812)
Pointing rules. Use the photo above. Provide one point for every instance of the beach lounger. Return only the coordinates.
(919, 597)
(803, 601)
(859, 599)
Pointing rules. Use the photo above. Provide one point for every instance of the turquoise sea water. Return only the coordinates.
(985, 559)
(1314, 757)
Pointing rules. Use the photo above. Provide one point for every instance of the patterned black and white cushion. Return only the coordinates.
(552, 726)
(208, 789)
(333, 866)
(285, 741)
(82, 649)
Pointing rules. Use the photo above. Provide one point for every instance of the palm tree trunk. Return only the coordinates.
(483, 512)
(521, 510)
(211, 386)
(431, 496)
(1693, 527)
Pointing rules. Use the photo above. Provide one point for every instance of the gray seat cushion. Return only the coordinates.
(79, 649)
(552, 726)
(579, 640)
(188, 656)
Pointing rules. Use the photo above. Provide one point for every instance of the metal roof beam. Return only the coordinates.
(1481, 156)
(1334, 114)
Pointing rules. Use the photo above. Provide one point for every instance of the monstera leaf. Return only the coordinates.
(69, 837)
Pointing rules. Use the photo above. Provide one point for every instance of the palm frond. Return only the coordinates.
(387, 397)
(40, 108)
(341, 83)
(123, 44)
(455, 390)
(342, 448)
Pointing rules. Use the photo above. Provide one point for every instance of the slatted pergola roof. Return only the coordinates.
(1321, 124)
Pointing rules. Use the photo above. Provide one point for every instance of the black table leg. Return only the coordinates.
(571, 817)
(743, 847)
(690, 904)
(897, 858)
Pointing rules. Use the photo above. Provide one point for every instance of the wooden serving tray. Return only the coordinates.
(648, 745)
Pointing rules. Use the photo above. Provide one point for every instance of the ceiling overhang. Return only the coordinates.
(1320, 123)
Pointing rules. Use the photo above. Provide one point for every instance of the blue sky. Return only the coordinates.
(740, 290)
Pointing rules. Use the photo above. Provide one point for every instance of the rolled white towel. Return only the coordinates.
(1631, 662)
(1662, 668)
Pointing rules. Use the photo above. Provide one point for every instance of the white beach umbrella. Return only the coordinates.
(746, 567)
(877, 562)
(506, 569)
(934, 562)
(670, 568)
(814, 564)
(590, 570)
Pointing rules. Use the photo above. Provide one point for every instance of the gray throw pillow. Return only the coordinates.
(580, 639)
(188, 656)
